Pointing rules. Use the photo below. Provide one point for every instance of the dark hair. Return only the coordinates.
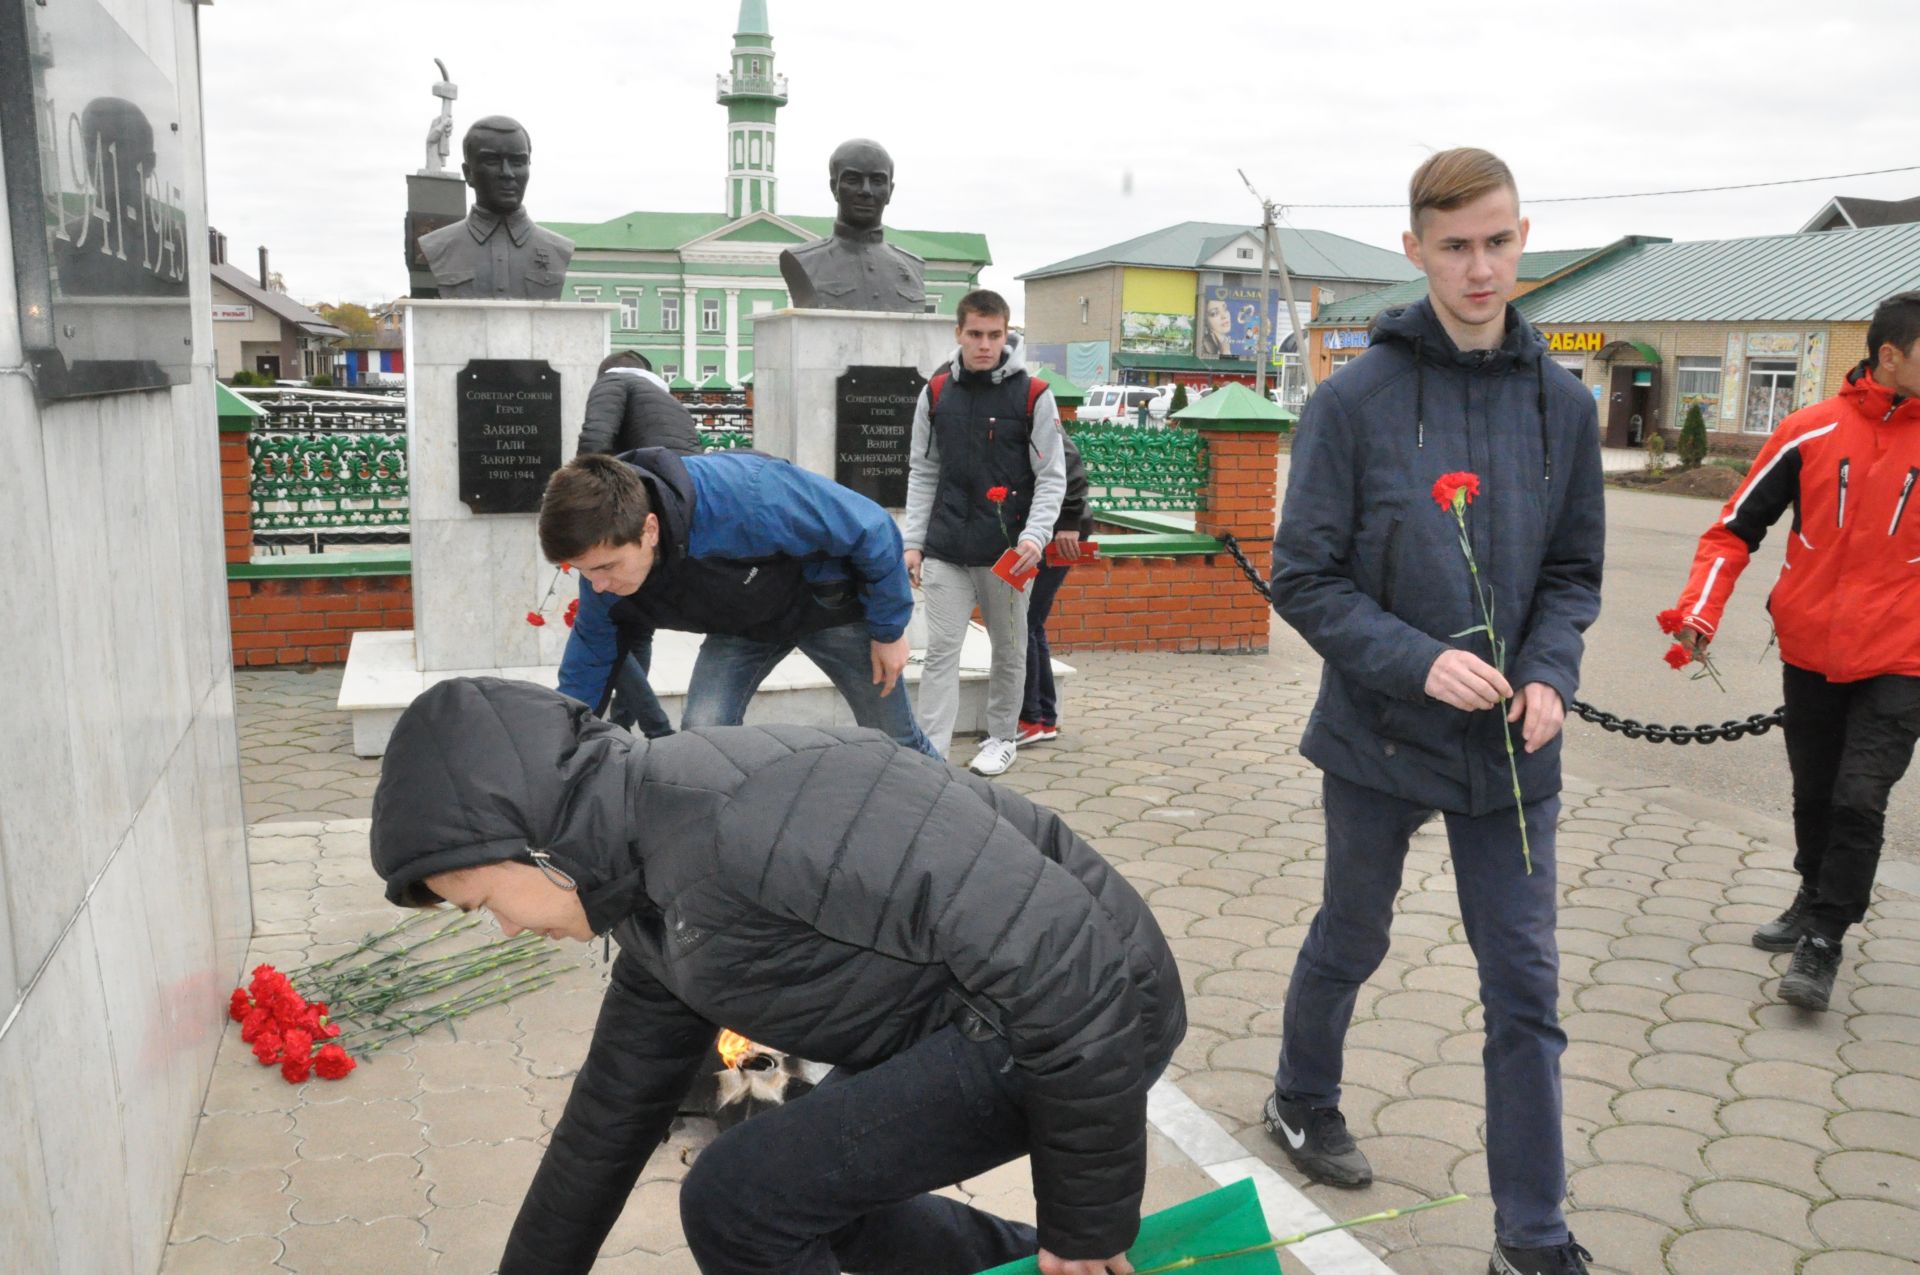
(498, 126)
(1896, 322)
(1453, 179)
(983, 302)
(624, 358)
(592, 500)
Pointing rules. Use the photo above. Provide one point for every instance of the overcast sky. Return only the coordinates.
(1024, 121)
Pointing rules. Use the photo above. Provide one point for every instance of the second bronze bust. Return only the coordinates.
(857, 269)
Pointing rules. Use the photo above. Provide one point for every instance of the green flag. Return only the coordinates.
(1217, 1222)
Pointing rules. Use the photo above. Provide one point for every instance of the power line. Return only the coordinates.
(1651, 194)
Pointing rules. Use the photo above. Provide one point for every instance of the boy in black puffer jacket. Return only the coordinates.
(986, 985)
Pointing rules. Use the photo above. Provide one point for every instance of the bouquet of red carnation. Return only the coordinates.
(1671, 622)
(285, 1028)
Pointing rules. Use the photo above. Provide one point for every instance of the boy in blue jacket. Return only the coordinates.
(1414, 703)
(761, 556)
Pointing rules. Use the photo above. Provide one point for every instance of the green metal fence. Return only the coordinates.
(1143, 467)
(325, 485)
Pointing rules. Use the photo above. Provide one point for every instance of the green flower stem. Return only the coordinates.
(1483, 594)
(1386, 1215)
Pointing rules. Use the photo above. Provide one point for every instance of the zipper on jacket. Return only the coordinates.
(1840, 517)
(1906, 490)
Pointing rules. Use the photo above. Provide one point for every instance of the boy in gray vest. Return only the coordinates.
(987, 475)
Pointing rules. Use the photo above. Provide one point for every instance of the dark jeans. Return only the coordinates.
(1848, 744)
(1039, 703)
(1509, 919)
(634, 703)
(730, 669)
(839, 1179)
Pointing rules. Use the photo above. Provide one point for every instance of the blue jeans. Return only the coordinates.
(1040, 703)
(634, 703)
(730, 669)
(1509, 919)
(839, 1179)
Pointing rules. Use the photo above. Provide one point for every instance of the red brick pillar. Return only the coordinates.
(1243, 432)
(236, 487)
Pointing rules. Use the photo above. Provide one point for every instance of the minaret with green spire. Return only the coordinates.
(751, 94)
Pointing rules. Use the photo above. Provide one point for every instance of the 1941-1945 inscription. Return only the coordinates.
(873, 431)
(508, 425)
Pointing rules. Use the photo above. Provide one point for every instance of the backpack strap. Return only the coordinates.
(938, 383)
(1035, 388)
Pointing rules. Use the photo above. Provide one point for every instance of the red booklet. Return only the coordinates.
(1005, 569)
(1088, 548)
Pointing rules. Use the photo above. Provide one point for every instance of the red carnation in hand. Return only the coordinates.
(572, 611)
(997, 495)
(1461, 487)
(238, 1006)
(266, 1047)
(567, 567)
(536, 619)
(1671, 620)
(1677, 656)
(333, 1063)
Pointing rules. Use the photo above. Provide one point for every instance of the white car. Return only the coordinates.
(1122, 403)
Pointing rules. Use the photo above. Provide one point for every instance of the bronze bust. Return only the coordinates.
(497, 253)
(857, 269)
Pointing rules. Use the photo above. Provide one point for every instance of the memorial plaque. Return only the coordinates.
(508, 424)
(873, 430)
(96, 176)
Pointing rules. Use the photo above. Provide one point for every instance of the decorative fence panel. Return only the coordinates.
(329, 471)
(1143, 467)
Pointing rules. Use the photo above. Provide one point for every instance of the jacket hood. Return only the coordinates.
(482, 770)
(1012, 361)
(670, 488)
(1875, 401)
(642, 373)
(1419, 328)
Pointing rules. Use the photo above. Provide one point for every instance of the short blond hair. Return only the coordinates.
(1455, 178)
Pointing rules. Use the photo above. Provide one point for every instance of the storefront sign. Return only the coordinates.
(1765, 343)
(507, 426)
(1349, 339)
(873, 431)
(96, 172)
(1575, 342)
(226, 313)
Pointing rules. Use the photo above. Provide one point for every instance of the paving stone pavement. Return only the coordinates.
(1710, 1130)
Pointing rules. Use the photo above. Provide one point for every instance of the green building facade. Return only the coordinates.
(690, 284)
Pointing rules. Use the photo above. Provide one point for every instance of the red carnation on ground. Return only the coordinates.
(266, 1047)
(1461, 486)
(1671, 620)
(1677, 656)
(536, 619)
(997, 495)
(333, 1063)
(256, 1021)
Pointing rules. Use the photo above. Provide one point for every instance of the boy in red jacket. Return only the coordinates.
(1847, 611)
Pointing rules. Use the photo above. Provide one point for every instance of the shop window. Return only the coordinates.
(1574, 363)
(1770, 389)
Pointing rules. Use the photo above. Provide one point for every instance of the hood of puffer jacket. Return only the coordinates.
(1417, 327)
(481, 770)
(1012, 360)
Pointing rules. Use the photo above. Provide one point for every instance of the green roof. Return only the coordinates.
(715, 384)
(1065, 392)
(667, 231)
(1233, 404)
(1311, 254)
(753, 18)
(232, 411)
(680, 384)
(1534, 266)
(1837, 276)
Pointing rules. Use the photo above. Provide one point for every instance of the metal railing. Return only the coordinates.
(1146, 468)
(329, 469)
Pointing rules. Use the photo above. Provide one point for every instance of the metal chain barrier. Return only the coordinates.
(1705, 733)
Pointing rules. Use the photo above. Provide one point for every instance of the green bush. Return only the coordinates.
(244, 377)
(1656, 451)
(1693, 438)
(1179, 398)
(321, 381)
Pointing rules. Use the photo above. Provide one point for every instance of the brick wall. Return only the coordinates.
(1192, 602)
(312, 620)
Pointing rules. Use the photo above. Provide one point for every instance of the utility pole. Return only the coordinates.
(1271, 250)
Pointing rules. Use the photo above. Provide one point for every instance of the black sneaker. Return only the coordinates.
(1317, 1141)
(1809, 980)
(1781, 933)
(1561, 1259)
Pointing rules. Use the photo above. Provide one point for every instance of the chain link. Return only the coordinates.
(1705, 733)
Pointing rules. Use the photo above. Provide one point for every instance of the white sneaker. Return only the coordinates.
(994, 757)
